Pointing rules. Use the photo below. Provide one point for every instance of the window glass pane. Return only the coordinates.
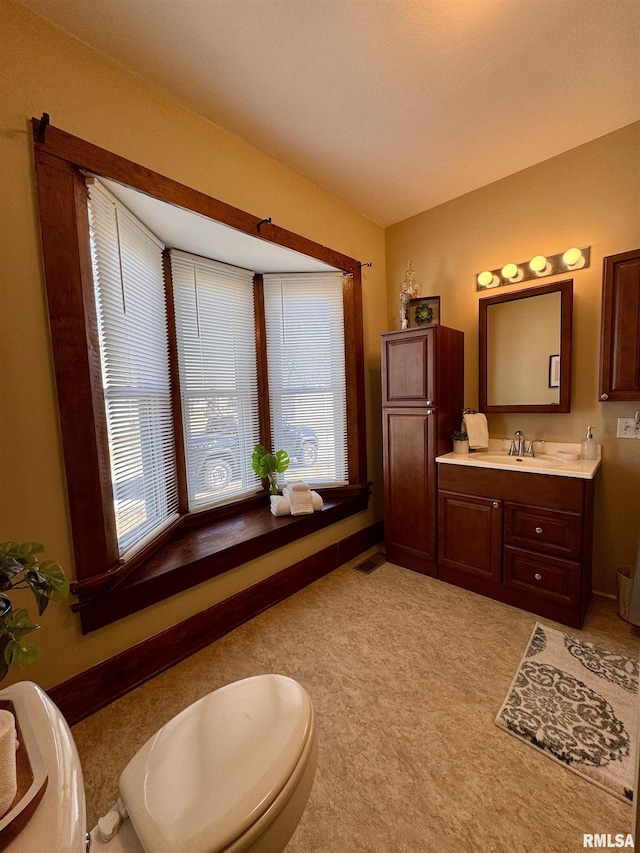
(307, 386)
(215, 325)
(131, 311)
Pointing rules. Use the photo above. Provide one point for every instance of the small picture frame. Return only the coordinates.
(424, 311)
(554, 371)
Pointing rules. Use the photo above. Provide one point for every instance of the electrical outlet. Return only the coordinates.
(628, 428)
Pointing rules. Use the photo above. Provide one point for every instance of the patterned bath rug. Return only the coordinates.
(578, 704)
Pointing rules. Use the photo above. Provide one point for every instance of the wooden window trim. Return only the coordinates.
(60, 159)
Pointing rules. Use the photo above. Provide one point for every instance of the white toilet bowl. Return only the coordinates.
(231, 773)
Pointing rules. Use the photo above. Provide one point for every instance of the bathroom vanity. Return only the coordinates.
(518, 530)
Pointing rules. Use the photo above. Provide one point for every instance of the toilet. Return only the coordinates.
(232, 773)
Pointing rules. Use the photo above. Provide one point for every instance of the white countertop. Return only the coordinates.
(551, 458)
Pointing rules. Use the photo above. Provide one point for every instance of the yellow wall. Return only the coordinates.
(43, 70)
(587, 196)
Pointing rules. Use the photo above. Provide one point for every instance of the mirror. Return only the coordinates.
(525, 350)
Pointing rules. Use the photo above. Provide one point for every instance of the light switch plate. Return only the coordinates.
(628, 428)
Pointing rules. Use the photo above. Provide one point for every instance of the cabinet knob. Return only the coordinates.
(604, 396)
(429, 402)
(495, 504)
(538, 576)
(538, 530)
(429, 412)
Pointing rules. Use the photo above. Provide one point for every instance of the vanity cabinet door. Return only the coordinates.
(620, 332)
(410, 488)
(469, 535)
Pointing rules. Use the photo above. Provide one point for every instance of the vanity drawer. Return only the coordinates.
(553, 531)
(545, 577)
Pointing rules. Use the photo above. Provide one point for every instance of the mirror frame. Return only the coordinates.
(566, 330)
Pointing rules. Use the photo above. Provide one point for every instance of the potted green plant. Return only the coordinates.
(460, 442)
(20, 568)
(267, 464)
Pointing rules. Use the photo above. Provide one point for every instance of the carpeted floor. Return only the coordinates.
(407, 675)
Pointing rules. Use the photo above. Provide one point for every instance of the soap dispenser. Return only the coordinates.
(588, 447)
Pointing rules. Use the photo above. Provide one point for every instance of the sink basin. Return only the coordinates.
(540, 461)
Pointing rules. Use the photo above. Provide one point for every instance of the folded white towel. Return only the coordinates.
(477, 429)
(8, 744)
(299, 497)
(280, 505)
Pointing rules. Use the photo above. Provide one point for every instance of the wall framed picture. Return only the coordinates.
(424, 311)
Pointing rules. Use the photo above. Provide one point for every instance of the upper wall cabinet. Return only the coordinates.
(620, 334)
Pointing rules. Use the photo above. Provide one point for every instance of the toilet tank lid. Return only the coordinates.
(213, 770)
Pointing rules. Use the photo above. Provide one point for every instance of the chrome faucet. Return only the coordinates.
(520, 449)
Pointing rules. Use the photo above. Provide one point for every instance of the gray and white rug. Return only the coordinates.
(577, 703)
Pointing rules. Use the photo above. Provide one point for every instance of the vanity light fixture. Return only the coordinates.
(538, 267)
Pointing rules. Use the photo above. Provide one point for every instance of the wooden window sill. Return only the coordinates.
(199, 553)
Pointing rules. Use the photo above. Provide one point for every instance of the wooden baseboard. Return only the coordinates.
(93, 689)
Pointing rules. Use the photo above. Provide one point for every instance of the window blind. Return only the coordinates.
(215, 327)
(131, 312)
(306, 363)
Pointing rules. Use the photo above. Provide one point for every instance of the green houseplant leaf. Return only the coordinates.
(20, 569)
(14, 626)
(267, 464)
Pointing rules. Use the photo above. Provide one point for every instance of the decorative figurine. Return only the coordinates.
(408, 291)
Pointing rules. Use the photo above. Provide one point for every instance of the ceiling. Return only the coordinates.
(394, 106)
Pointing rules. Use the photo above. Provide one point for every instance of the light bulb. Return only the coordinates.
(485, 279)
(510, 271)
(538, 264)
(572, 257)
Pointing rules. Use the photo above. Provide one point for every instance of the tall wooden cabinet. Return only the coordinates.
(422, 403)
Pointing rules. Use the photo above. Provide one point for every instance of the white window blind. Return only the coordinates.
(306, 364)
(215, 326)
(131, 311)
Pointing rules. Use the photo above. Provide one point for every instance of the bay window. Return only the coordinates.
(171, 366)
